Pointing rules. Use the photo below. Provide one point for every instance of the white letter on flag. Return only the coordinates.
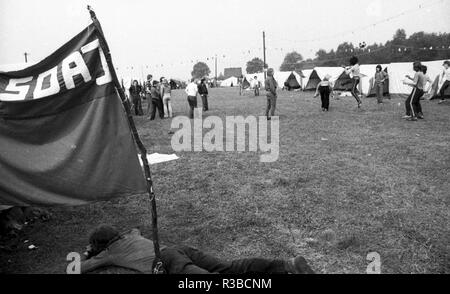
(13, 86)
(106, 78)
(69, 72)
(50, 90)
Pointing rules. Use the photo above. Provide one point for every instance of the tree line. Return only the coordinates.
(419, 46)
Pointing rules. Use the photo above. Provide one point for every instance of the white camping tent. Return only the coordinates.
(434, 70)
(368, 73)
(306, 74)
(259, 77)
(282, 76)
(334, 72)
(233, 81)
(319, 73)
(397, 72)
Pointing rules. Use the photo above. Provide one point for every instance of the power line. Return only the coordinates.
(387, 19)
(352, 31)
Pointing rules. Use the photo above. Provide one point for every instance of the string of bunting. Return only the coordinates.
(362, 28)
(357, 51)
(395, 48)
(366, 51)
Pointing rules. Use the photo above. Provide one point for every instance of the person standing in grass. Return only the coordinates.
(380, 78)
(412, 104)
(354, 71)
(166, 95)
(427, 81)
(446, 78)
(271, 88)
(325, 89)
(192, 91)
(203, 91)
(135, 95)
(156, 101)
(256, 85)
(147, 91)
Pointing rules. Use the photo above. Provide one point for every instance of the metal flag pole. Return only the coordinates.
(143, 151)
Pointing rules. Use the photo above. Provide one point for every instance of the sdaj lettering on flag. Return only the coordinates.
(64, 135)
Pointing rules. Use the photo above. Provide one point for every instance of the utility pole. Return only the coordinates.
(264, 52)
(26, 57)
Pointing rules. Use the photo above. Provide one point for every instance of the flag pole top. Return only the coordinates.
(91, 11)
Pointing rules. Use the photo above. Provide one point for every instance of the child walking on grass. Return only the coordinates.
(325, 89)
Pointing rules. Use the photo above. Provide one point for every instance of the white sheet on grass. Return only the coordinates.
(155, 158)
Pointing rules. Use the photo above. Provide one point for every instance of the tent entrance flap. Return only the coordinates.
(313, 81)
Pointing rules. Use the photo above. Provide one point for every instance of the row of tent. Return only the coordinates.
(290, 80)
(307, 80)
(341, 80)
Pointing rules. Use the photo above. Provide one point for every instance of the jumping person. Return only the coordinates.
(380, 78)
(325, 88)
(354, 72)
(192, 91)
(156, 101)
(108, 247)
(271, 87)
(166, 94)
(203, 91)
(412, 104)
(446, 78)
(135, 95)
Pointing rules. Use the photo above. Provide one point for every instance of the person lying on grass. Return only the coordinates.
(108, 247)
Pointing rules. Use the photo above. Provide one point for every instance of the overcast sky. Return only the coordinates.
(146, 34)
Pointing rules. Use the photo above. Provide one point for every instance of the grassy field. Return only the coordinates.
(377, 184)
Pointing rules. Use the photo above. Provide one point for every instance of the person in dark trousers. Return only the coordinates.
(324, 88)
(192, 91)
(156, 101)
(446, 79)
(135, 95)
(380, 78)
(354, 71)
(147, 91)
(271, 88)
(108, 247)
(166, 94)
(412, 104)
(426, 80)
(203, 91)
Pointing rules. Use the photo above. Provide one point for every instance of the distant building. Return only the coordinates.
(232, 72)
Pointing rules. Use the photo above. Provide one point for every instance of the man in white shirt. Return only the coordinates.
(192, 91)
(446, 79)
(256, 85)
